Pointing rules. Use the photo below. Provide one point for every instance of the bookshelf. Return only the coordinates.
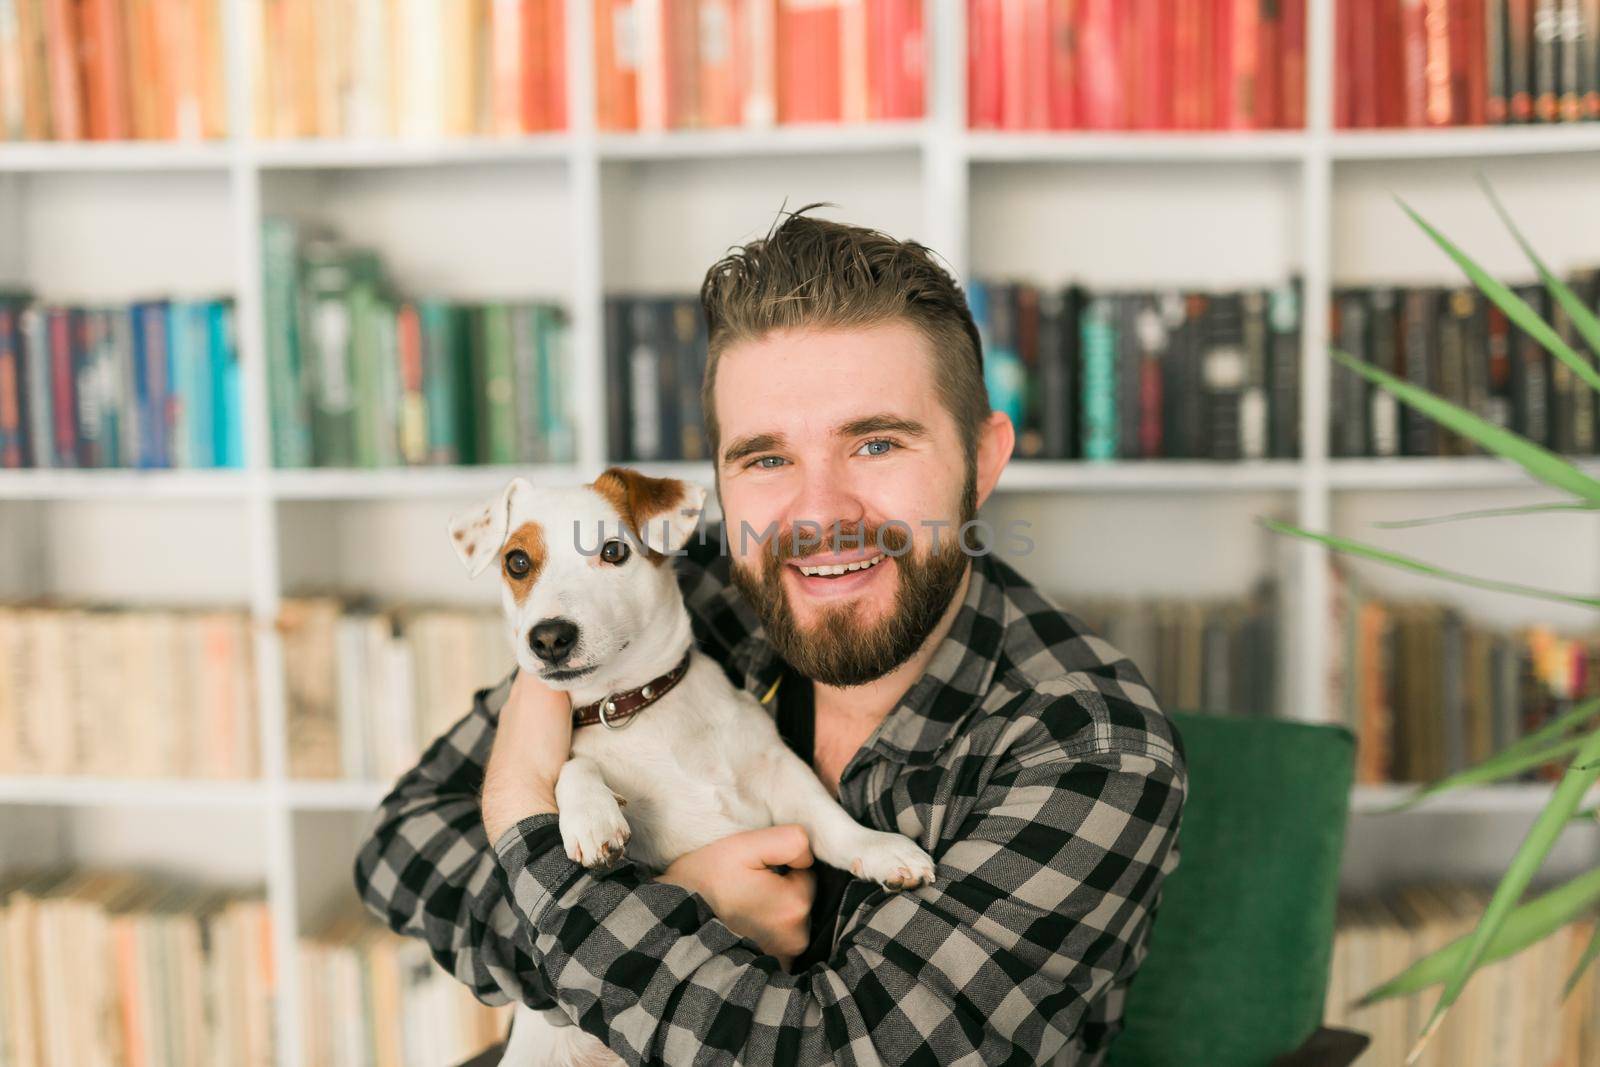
(591, 213)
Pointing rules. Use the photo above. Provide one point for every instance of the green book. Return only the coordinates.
(287, 399)
(525, 327)
(366, 371)
(1099, 347)
(555, 361)
(441, 356)
(499, 427)
(471, 418)
(327, 283)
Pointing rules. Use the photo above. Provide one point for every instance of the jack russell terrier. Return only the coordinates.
(593, 608)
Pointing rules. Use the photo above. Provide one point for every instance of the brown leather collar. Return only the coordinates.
(618, 708)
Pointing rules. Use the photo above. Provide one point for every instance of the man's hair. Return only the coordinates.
(809, 273)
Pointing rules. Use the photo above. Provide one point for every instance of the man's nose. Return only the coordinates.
(824, 499)
(553, 639)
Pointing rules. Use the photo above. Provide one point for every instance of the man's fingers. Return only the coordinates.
(778, 846)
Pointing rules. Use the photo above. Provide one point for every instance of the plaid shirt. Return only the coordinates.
(1031, 761)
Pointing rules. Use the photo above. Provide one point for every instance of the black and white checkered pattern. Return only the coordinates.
(1031, 761)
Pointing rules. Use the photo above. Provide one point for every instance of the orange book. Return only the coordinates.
(213, 82)
(556, 48)
(35, 65)
(853, 61)
(756, 61)
(682, 24)
(95, 58)
(140, 25)
(652, 40)
(718, 76)
(505, 67)
(533, 76)
(61, 35)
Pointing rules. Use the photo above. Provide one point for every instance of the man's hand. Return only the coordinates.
(532, 742)
(772, 909)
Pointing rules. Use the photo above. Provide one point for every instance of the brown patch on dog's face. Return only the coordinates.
(529, 539)
(639, 498)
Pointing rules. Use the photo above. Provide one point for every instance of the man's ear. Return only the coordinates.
(478, 533)
(661, 512)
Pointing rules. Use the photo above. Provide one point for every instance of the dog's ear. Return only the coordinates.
(478, 533)
(661, 512)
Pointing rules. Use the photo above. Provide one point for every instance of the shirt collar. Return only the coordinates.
(957, 677)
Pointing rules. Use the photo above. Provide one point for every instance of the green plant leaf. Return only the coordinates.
(1536, 460)
(1501, 765)
(1530, 923)
(1582, 318)
(1356, 548)
(1487, 513)
(1552, 819)
(1590, 951)
(1514, 306)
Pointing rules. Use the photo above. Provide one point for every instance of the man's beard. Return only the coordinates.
(838, 648)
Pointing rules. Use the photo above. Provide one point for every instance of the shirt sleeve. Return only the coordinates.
(426, 868)
(1042, 901)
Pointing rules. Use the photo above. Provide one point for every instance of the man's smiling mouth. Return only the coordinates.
(833, 570)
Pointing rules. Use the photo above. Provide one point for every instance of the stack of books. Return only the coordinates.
(112, 967)
(424, 68)
(151, 384)
(1511, 1012)
(1429, 692)
(368, 996)
(1143, 65)
(661, 65)
(369, 687)
(134, 692)
(1169, 374)
(1217, 655)
(360, 375)
(1465, 62)
(111, 70)
(1456, 343)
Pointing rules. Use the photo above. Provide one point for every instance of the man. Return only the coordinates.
(935, 692)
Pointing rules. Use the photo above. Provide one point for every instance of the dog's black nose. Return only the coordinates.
(553, 639)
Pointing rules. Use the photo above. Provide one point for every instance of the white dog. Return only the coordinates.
(593, 608)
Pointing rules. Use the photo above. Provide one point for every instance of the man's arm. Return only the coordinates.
(1043, 899)
(427, 870)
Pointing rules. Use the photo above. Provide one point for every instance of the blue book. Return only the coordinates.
(151, 376)
(226, 424)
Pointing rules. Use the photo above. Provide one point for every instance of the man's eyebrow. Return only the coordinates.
(882, 424)
(749, 446)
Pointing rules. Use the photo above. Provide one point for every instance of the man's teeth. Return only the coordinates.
(840, 568)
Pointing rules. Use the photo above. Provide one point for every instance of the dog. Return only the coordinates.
(592, 607)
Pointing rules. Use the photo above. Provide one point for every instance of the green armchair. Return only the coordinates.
(1237, 973)
(1238, 967)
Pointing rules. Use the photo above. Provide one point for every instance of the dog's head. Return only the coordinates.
(585, 571)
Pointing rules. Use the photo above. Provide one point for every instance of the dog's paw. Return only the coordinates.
(594, 834)
(893, 861)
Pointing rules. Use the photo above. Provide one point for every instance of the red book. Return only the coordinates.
(718, 80)
(1036, 64)
(1414, 45)
(984, 61)
(1013, 72)
(1244, 64)
(10, 402)
(879, 59)
(797, 61)
(1364, 46)
(1187, 57)
(1460, 57)
(1390, 85)
(1476, 73)
(616, 50)
(531, 75)
(1063, 73)
(911, 50)
(1205, 91)
(1292, 80)
(829, 83)
(1221, 113)
(1437, 72)
(1099, 75)
(1147, 100)
(683, 64)
(61, 36)
(1269, 69)
(1344, 71)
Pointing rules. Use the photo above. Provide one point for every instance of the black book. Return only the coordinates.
(1418, 333)
(1129, 356)
(648, 335)
(1253, 399)
(1348, 419)
(1030, 436)
(1177, 368)
(1058, 329)
(1586, 285)
(1383, 412)
(1283, 371)
(1454, 314)
(1546, 60)
(1497, 358)
(1495, 60)
(670, 354)
(1222, 368)
(1530, 375)
(690, 325)
(1152, 344)
(619, 417)
(1189, 403)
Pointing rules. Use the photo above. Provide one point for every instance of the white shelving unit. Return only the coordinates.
(614, 211)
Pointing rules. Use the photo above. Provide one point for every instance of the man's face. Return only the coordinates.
(835, 443)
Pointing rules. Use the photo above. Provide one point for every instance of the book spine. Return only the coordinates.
(1063, 65)
(1383, 410)
(1547, 60)
(1519, 60)
(1574, 63)
(35, 342)
(1099, 374)
(63, 388)
(1283, 318)
(527, 401)
(619, 405)
(1223, 372)
(1414, 48)
(642, 364)
(668, 352)
(1419, 326)
(1497, 105)
(13, 432)
(1294, 64)
(1253, 414)
(438, 381)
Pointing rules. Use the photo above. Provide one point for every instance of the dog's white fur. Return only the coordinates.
(703, 762)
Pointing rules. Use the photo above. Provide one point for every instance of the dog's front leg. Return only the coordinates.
(793, 793)
(592, 827)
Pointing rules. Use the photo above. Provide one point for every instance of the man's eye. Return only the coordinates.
(877, 446)
(762, 462)
(517, 563)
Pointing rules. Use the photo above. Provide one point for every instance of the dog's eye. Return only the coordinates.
(615, 551)
(518, 564)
